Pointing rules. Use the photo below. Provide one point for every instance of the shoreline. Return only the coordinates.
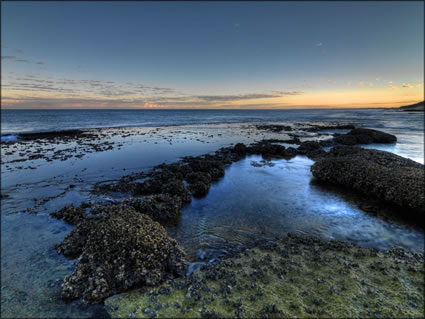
(252, 132)
(168, 187)
(142, 125)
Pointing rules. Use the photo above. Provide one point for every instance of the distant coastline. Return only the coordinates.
(418, 107)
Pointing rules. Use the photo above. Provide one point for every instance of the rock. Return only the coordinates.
(212, 167)
(199, 183)
(308, 146)
(178, 170)
(161, 208)
(199, 189)
(295, 277)
(70, 214)
(346, 139)
(274, 128)
(267, 150)
(374, 173)
(159, 184)
(196, 177)
(240, 149)
(290, 152)
(120, 249)
(176, 187)
(377, 136)
(148, 187)
(364, 136)
(311, 149)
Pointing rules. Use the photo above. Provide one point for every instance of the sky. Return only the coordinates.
(262, 55)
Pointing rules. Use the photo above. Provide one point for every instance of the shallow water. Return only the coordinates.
(253, 202)
(249, 202)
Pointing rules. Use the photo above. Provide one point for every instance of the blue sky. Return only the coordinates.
(211, 49)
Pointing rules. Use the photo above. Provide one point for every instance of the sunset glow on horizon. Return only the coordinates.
(184, 55)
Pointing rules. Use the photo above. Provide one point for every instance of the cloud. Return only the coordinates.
(73, 93)
(151, 106)
(8, 57)
(318, 44)
(19, 51)
(239, 97)
(22, 60)
(407, 85)
(82, 86)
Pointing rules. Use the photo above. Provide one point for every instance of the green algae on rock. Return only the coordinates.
(293, 277)
(119, 249)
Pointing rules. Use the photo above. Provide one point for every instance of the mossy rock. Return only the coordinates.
(294, 277)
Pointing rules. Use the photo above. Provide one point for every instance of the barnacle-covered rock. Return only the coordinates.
(364, 136)
(161, 208)
(119, 249)
(72, 215)
(374, 173)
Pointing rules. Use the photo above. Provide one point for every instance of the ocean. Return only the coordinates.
(28, 121)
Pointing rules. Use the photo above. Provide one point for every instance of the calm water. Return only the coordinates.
(248, 203)
(19, 121)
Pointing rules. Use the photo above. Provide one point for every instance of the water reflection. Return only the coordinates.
(270, 201)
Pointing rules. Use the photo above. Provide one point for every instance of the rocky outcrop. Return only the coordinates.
(311, 149)
(70, 214)
(240, 148)
(364, 136)
(161, 207)
(270, 150)
(374, 173)
(118, 249)
(274, 128)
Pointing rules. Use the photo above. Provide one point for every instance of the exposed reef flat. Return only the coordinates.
(292, 277)
(160, 194)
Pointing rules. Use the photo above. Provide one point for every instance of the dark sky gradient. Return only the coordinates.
(217, 48)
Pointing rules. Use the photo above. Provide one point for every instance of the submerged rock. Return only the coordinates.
(364, 136)
(119, 249)
(161, 208)
(374, 173)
